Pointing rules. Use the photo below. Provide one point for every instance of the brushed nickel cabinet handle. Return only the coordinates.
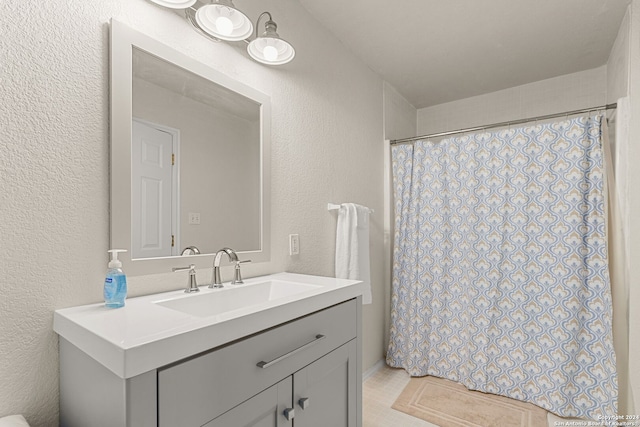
(289, 413)
(304, 402)
(265, 365)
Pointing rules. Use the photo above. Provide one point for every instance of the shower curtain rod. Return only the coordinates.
(497, 125)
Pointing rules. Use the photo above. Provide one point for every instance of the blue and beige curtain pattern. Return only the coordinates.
(500, 275)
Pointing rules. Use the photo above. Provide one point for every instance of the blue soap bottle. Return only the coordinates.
(115, 284)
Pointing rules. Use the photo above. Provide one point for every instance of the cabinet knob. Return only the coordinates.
(304, 402)
(289, 413)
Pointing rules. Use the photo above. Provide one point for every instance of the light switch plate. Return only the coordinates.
(294, 244)
(194, 218)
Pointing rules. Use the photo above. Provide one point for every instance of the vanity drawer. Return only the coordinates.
(199, 389)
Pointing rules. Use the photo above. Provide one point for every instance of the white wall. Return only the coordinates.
(618, 63)
(617, 87)
(633, 209)
(400, 121)
(564, 93)
(327, 130)
(400, 117)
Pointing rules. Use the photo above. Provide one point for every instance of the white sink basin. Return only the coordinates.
(234, 297)
(151, 331)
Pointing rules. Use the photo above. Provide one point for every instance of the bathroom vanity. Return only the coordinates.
(278, 350)
(282, 350)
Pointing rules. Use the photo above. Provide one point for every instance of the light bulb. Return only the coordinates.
(270, 53)
(224, 25)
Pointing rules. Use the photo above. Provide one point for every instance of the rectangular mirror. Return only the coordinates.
(189, 159)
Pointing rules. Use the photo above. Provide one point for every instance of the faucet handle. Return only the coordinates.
(192, 286)
(237, 277)
(190, 250)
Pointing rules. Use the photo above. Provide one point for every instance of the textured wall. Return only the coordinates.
(326, 147)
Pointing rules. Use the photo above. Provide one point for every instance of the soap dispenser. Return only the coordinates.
(115, 284)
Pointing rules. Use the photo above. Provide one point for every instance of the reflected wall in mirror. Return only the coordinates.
(209, 134)
(190, 155)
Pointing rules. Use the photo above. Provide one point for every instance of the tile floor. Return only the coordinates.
(379, 391)
(382, 388)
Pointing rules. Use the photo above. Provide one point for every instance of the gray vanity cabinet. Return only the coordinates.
(265, 409)
(318, 351)
(319, 395)
(302, 373)
(325, 392)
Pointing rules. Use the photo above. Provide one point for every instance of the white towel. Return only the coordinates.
(13, 421)
(352, 246)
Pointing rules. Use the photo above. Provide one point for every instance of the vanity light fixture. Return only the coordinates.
(224, 21)
(269, 48)
(175, 4)
(221, 20)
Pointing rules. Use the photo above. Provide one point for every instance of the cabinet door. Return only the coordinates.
(265, 409)
(324, 392)
(195, 391)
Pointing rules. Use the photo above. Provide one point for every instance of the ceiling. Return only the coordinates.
(436, 51)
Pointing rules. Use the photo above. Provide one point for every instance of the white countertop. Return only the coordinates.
(142, 335)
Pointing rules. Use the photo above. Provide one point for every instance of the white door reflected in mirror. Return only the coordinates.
(154, 191)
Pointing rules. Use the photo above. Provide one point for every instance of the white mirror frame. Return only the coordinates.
(123, 40)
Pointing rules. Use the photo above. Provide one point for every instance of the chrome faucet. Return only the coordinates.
(190, 250)
(216, 282)
(192, 285)
(237, 277)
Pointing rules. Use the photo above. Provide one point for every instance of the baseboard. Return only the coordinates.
(372, 370)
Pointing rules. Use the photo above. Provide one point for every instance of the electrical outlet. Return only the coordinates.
(294, 244)
(194, 218)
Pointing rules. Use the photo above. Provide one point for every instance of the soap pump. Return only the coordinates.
(115, 284)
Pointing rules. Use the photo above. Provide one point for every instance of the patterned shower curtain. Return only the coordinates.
(500, 274)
